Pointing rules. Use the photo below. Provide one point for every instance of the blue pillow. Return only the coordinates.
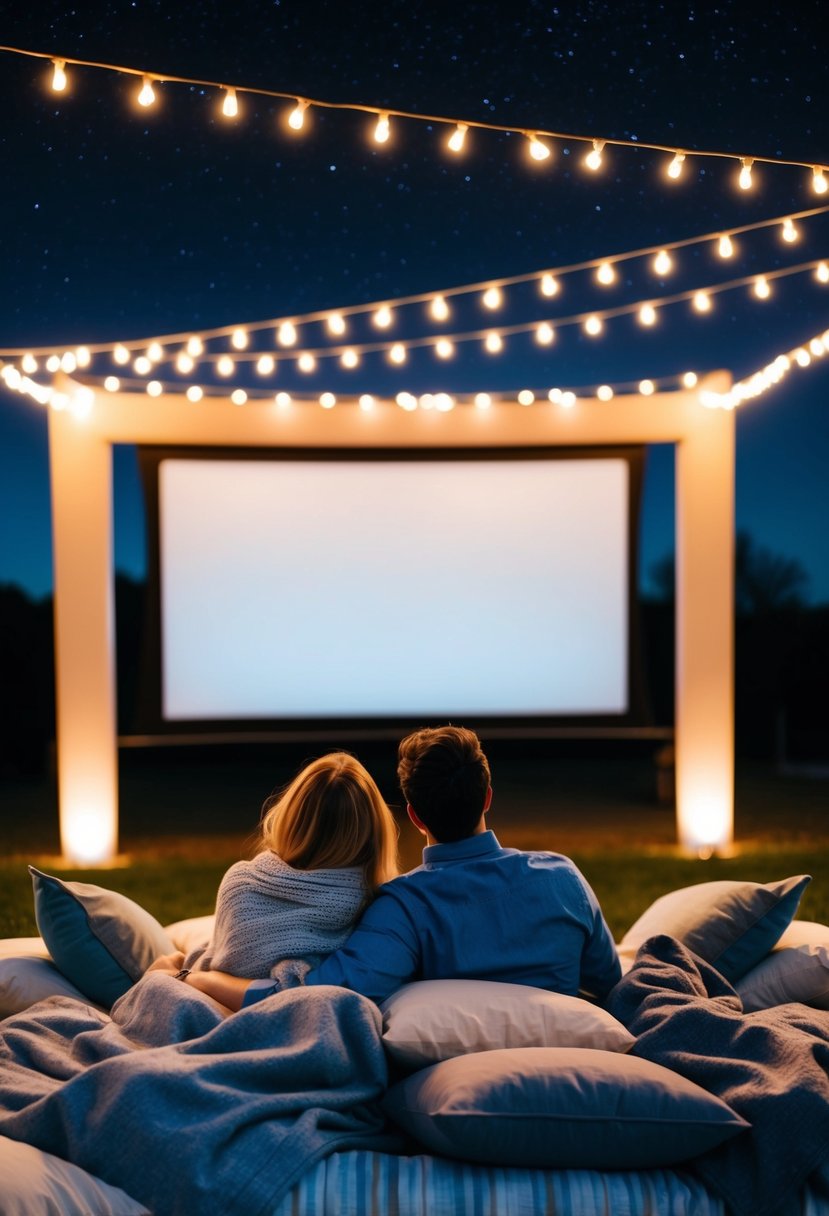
(100, 940)
(560, 1108)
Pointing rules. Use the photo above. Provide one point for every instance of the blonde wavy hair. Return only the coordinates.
(333, 816)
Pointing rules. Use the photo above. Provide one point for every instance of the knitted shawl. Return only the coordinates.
(267, 911)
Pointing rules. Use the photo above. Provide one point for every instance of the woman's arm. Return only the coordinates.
(228, 990)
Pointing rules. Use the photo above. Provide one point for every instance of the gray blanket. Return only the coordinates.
(772, 1067)
(189, 1111)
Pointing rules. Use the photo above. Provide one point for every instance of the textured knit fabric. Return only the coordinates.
(267, 911)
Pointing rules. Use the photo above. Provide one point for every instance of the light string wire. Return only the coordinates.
(353, 310)
(678, 152)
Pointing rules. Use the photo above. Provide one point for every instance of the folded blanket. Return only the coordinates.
(772, 1067)
(188, 1110)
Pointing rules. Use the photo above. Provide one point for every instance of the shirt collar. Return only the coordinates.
(460, 850)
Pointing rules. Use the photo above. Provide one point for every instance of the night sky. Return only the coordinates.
(120, 223)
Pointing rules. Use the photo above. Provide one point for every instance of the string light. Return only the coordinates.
(689, 380)
(282, 401)
(112, 384)
(383, 129)
(822, 272)
(29, 363)
(444, 348)
(646, 387)
(538, 149)
(68, 362)
(306, 362)
(154, 388)
(674, 169)
(83, 356)
(367, 402)
(184, 363)
(593, 160)
(789, 233)
(702, 301)
(493, 342)
(238, 396)
(606, 274)
(545, 333)
(286, 334)
(744, 180)
(483, 401)
(647, 315)
(526, 397)
(147, 95)
(662, 263)
(120, 355)
(336, 324)
(406, 401)
(142, 365)
(225, 366)
(604, 392)
(397, 353)
(725, 248)
(383, 317)
(230, 105)
(439, 309)
(549, 285)
(195, 346)
(59, 75)
(349, 359)
(593, 326)
(155, 352)
(457, 139)
(328, 401)
(761, 287)
(53, 363)
(265, 365)
(819, 183)
(194, 393)
(296, 118)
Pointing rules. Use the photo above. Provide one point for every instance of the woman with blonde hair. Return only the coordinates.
(328, 842)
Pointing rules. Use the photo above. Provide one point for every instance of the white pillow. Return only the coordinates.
(434, 1020)
(796, 970)
(25, 980)
(34, 1183)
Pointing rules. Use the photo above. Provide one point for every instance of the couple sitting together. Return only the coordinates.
(322, 903)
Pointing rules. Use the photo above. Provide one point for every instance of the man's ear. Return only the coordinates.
(418, 822)
(488, 800)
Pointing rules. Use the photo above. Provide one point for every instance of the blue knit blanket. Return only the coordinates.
(190, 1111)
(772, 1067)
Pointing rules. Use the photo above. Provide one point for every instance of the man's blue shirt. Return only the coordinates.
(475, 910)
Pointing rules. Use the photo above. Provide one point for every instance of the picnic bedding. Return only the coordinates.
(180, 1106)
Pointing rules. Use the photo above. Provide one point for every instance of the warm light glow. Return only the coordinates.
(68, 362)
(646, 387)
(457, 139)
(606, 274)
(647, 315)
(822, 272)
(567, 400)
(593, 325)
(725, 248)
(239, 339)
(230, 106)
(483, 401)
(286, 334)
(142, 365)
(147, 95)
(702, 301)
(59, 75)
(662, 263)
(195, 346)
(88, 834)
(366, 402)
(761, 287)
(83, 356)
(112, 384)
(29, 363)
(689, 380)
(789, 233)
(674, 169)
(154, 388)
(819, 183)
(336, 324)
(493, 342)
(444, 402)
(328, 401)
(184, 363)
(296, 118)
(225, 366)
(406, 401)
(439, 309)
(817, 347)
(282, 401)
(544, 333)
(238, 396)
(593, 160)
(194, 393)
(549, 285)
(382, 130)
(444, 349)
(397, 354)
(604, 392)
(53, 363)
(266, 365)
(383, 317)
(802, 357)
(744, 179)
(121, 355)
(155, 352)
(306, 362)
(526, 397)
(492, 298)
(538, 149)
(349, 358)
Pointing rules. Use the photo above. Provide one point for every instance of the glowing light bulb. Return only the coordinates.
(397, 354)
(406, 401)
(444, 402)
(59, 75)
(296, 118)
(593, 160)
(238, 396)
(154, 388)
(112, 384)
(817, 347)
(593, 325)
(68, 362)
(194, 393)
(604, 392)
(802, 357)
(120, 355)
(605, 274)
(819, 183)
(230, 106)
(349, 358)
(647, 387)
(426, 401)
(689, 380)
(567, 400)
(702, 301)
(662, 263)
(483, 401)
(147, 95)
(283, 401)
(822, 272)
(725, 248)
(383, 317)
(493, 342)
(526, 397)
(366, 402)
(53, 363)
(674, 169)
(83, 356)
(335, 323)
(184, 363)
(744, 180)
(761, 287)
(142, 365)
(29, 364)
(155, 352)
(195, 346)
(286, 334)
(266, 365)
(444, 349)
(306, 362)
(789, 233)
(382, 130)
(457, 139)
(439, 309)
(239, 339)
(491, 298)
(328, 401)
(544, 333)
(225, 366)
(549, 285)
(647, 315)
(538, 149)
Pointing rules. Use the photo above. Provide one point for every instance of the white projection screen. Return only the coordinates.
(374, 587)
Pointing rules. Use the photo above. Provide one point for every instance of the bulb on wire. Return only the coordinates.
(493, 343)
(195, 346)
(120, 355)
(457, 139)
(382, 130)
(789, 233)
(593, 160)
(646, 387)
(147, 95)
(647, 315)
(822, 272)
(225, 366)
(59, 75)
(549, 285)
(544, 334)
(383, 317)
(230, 105)
(336, 324)
(265, 365)
(239, 339)
(538, 149)
(444, 349)
(593, 326)
(397, 354)
(349, 359)
(492, 298)
(744, 179)
(674, 169)
(702, 301)
(194, 393)
(604, 392)
(184, 363)
(286, 334)
(606, 274)
(725, 248)
(439, 309)
(662, 263)
(819, 183)
(296, 118)
(306, 362)
(761, 287)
